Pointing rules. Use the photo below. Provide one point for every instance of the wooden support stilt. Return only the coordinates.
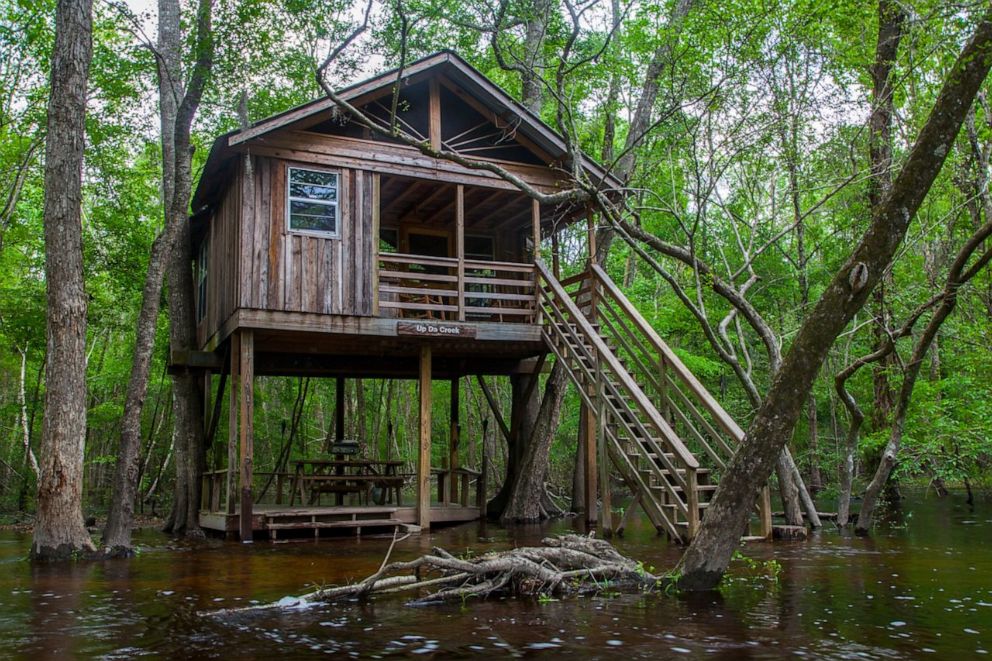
(606, 506)
(424, 458)
(588, 419)
(691, 503)
(247, 431)
(232, 434)
(454, 439)
(765, 511)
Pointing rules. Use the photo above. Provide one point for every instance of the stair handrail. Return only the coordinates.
(685, 456)
(723, 418)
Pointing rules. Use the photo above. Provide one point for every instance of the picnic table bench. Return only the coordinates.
(313, 477)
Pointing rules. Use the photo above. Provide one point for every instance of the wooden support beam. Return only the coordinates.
(460, 247)
(765, 510)
(605, 496)
(232, 433)
(535, 220)
(535, 211)
(376, 203)
(435, 114)
(424, 457)
(247, 431)
(587, 418)
(454, 439)
(691, 503)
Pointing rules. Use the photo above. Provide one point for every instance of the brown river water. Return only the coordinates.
(920, 587)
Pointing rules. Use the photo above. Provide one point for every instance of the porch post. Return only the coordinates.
(460, 247)
(535, 218)
(424, 459)
(453, 445)
(232, 434)
(246, 428)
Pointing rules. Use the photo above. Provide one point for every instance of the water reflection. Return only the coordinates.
(921, 587)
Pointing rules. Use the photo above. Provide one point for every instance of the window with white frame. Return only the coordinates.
(312, 201)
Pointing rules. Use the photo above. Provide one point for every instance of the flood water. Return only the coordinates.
(921, 586)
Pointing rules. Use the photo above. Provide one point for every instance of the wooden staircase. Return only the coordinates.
(668, 438)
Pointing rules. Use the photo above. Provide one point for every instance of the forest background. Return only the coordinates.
(758, 159)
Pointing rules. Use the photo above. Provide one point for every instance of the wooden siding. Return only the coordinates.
(255, 262)
(222, 237)
(297, 272)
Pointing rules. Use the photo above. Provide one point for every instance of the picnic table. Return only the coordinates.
(315, 477)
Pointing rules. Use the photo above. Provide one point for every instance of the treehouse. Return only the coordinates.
(324, 249)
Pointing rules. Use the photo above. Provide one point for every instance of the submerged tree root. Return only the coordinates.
(563, 565)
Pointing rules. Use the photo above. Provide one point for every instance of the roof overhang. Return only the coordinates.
(460, 72)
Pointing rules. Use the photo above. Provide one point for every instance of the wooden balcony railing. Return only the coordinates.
(448, 289)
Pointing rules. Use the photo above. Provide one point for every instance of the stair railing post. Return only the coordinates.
(691, 502)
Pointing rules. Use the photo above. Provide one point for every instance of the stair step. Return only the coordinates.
(665, 471)
(360, 523)
(709, 488)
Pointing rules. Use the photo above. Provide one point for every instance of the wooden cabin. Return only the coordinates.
(321, 249)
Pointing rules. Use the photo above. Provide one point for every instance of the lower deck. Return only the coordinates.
(278, 522)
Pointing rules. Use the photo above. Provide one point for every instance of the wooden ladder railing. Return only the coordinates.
(641, 444)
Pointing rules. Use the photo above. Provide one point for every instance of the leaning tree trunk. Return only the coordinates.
(708, 556)
(59, 532)
(177, 109)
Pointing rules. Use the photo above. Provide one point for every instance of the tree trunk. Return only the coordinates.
(526, 502)
(187, 398)
(891, 19)
(708, 556)
(523, 416)
(535, 31)
(59, 532)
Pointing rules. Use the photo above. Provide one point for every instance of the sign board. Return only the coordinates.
(434, 329)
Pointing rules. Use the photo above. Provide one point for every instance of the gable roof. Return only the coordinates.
(472, 81)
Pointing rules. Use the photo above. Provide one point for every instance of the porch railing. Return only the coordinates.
(448, 289)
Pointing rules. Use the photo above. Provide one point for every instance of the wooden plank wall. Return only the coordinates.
(289, 271)
(223, 249)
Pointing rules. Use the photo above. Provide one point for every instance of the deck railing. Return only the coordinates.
(448, 289)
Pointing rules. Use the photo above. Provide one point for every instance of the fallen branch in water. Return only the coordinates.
(563, 565)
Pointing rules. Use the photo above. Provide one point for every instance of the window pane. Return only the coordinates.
(312, 216)
(297, 176)
(313, 192)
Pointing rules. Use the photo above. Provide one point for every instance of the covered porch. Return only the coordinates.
(340, 490)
